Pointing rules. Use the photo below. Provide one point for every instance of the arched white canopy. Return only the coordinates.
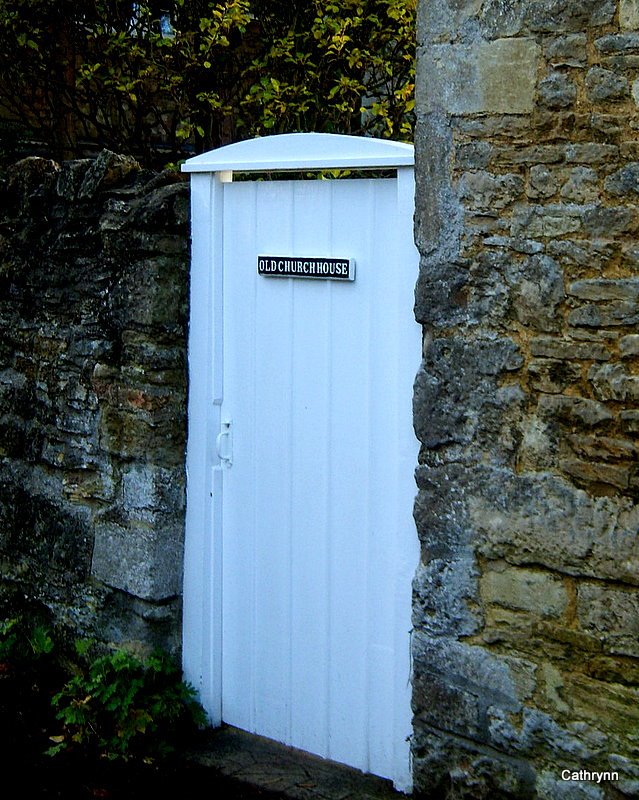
(295, 151)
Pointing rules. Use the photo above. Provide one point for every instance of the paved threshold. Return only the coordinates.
(285, 771)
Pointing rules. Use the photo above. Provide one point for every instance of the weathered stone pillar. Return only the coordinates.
(526, 601)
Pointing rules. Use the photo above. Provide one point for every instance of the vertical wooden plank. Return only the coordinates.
(239, 478)
(273, 480)
(310, 453)
(348, 490)
(202, 557)
(383, 356)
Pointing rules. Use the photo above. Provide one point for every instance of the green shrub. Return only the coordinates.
(121, 707)
(30, 673)
(21, 642)
(160, 80)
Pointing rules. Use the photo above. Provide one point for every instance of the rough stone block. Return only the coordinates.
(165, 208)
(456, 396)
(498, 20)
(582, 186)
(593, 473)
(538, 729)
(525, 246)
(552, 376)
(505, 512)
(557, 91)
(568, 51)
(445, 706)
(538, 293)
(590, 153)
(70, 177)
(611, 126)
(153, 293)
(438, 212)
(506, 127)
(148, 489)
(73, 453)
(612, 382)
(605, 289)
(624, 182)
(447, 766)
(628, 770)
(443, 593)
(609, 707)
(602, 336)
(139, 625)
(629, 14)
(603, 85)
(603, 448)
(86, 485)
(141, 560)
(473, 155)
(629, 346)
(440, 20)
(447, 80)
(564, 349)
(543, 182)
(531, 154)
(553, 682)
(462, 80)
(612, 614)
(490, 677)
(515, 59)
(630, 421)
(592, 254)
(107, 171)
(439, 500)
(629, 150)
(527, 590)
(145, 425)
(573, 410)
(557, 15)
(605, 315)
(481, 190)
(46, 541)
(441, 296)
(545, 221)
(550, 787)
(609, 221)
(617, 42)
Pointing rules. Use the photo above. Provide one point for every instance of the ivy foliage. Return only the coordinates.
(183, 77)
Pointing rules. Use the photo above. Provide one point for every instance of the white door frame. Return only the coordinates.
(202, 615)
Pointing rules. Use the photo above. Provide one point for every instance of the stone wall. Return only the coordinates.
(93, 287)
(526, 647)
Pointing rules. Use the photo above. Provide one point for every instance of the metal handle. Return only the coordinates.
(225, 452)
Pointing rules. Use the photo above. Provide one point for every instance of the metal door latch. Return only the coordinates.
(224, 444)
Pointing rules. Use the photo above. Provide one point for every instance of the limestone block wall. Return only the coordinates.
(526, 646)
(93, 283)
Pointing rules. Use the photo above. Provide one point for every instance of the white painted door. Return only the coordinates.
(318, 541)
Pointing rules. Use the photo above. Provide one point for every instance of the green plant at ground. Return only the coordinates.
(30, 673)
(121, 707)
(21, 642)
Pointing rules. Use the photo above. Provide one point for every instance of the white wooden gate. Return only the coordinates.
(300, 543)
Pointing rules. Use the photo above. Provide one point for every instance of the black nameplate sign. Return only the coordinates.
(334, 269)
